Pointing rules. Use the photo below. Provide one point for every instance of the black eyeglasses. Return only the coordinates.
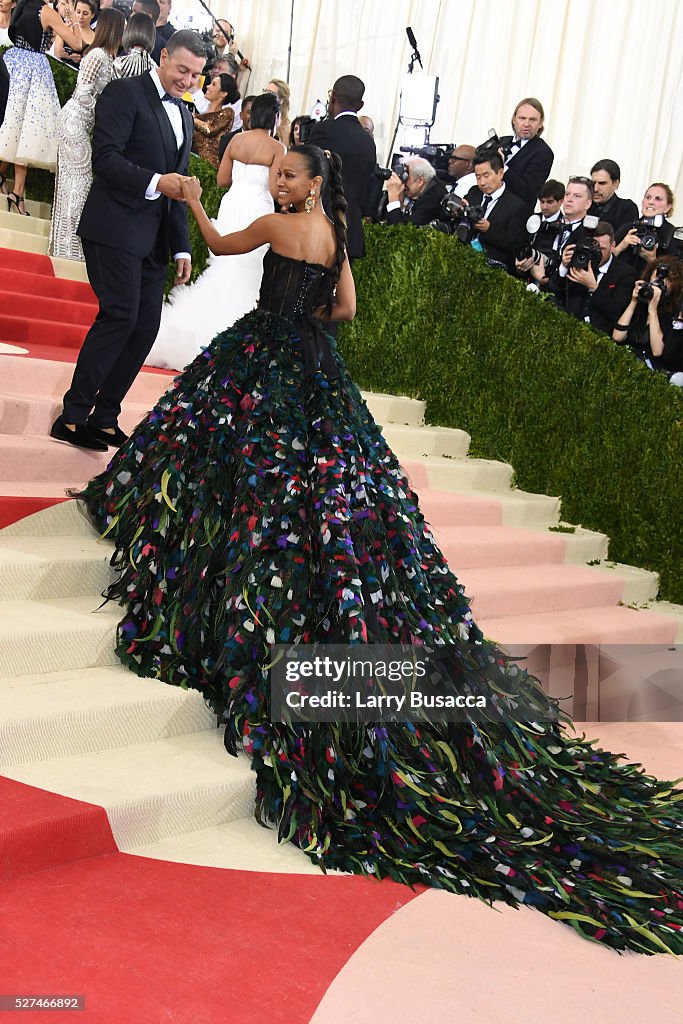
(452, 159)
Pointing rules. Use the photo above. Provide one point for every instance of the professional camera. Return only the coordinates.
(587, 251)
(436, 153)
(460, 219)
(397, 167)
(540, 245)
(305, 127)
(647, 230)
(492, 145)
(647, 289)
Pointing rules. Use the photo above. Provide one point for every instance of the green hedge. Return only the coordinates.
(41, 184)
(575, 414)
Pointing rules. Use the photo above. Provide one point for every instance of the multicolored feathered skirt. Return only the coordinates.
(255, 505)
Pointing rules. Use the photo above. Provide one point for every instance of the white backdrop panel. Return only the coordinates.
(610, 75)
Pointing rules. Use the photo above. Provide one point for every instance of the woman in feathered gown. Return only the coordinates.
(259, 503)
(229, 286)
(74, 125)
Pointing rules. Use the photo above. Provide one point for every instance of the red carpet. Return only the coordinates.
(40, 830)
(150, 941)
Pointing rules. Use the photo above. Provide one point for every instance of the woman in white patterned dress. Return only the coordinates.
(28, 133)
(74, 124)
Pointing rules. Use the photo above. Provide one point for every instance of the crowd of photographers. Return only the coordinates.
(588, 250)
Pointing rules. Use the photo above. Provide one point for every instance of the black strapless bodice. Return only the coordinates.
(293, 289)
(26, 31)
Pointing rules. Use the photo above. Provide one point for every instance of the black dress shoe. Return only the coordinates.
(113, 440)
(81, 436)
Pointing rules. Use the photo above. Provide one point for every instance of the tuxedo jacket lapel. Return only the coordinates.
(167, 134)
(183, 154)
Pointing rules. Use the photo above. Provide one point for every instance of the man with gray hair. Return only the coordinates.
(418, 201)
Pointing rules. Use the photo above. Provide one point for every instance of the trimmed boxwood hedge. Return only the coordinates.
(575, 414)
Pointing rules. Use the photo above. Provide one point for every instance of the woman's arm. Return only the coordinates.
(70, 34)
(656, 333)
(221, 124)
(621, 328)
(224, 176)
(273, 171)
(344, 307)
(261, 232)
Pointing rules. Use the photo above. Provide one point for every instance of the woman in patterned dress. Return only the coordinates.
(28, 136)
(75, 121)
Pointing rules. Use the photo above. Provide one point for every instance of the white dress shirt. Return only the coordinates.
(494, 197)
(175, 118)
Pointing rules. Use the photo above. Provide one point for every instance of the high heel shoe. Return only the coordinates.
(13, 199)
(3, 184)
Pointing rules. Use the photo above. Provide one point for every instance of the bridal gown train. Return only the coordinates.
(229, 286)
(259, 502)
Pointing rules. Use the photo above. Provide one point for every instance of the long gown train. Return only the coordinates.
(259, 502)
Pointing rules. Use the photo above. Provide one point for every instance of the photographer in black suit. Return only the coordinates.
(131, 221)
(418, 200)
(599, 293)
(501, 230)
(343, 133)
(529, 158)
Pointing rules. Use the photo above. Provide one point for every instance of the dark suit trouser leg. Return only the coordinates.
(123, 324)
(120, 378)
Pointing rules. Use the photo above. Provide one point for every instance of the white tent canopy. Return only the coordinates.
(608, 74)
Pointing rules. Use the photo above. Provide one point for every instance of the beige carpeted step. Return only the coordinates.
(395, 409)
(155, 790)
(59, 714)
(39, 226)
(25, 241)
(44, 567)
(242, 845)
(53, 635)
(411, 443)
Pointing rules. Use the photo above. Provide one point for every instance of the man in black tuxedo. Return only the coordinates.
(501, 231)
(600, 294)
(423, 191)
(342, 133)
(530, 158)
(132, 219)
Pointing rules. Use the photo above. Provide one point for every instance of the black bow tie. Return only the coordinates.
(167, 98)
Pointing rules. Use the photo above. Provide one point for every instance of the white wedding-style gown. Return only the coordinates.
(229, 286)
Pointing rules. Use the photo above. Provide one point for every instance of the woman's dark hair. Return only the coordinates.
(672, 299)
(92, 4)
(109, 30)
(264, 110)
(139, 31)
(331, 191)
(229, 87)
(301, 119)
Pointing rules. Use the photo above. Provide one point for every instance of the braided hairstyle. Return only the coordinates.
(331, 192)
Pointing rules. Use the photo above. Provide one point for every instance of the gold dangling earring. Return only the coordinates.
(309, 204)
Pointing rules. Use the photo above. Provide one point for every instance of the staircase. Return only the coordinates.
(79, 733)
